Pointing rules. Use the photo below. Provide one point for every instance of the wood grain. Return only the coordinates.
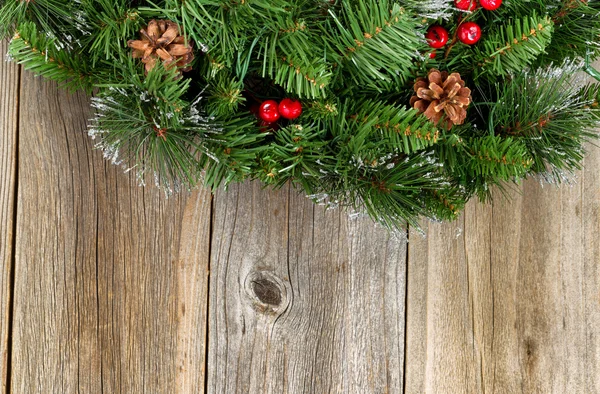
(506, 299)
(302, 300)
(110, 278)
(192, 294)
(111, 281)
(9, 102)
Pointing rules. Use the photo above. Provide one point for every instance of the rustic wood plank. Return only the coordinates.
(439, 327)
(55, 314)
(192, 294)
(9, 101)
(302, 300)
(110, 282)
(152, 264)
(589, 236)
(506, 299)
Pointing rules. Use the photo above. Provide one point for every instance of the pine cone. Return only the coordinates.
(442, 98)
(161, 40)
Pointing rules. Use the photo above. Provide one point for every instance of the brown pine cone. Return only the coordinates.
(162, 40)
(442, 98)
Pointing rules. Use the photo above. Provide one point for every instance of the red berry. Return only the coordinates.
(268, 111)
(437, 36)
(491, 5)
(432, 55)
(469, 33)
(466, 5)
(290, 109)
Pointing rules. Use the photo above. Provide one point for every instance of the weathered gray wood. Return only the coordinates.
(110, 280)
(506, 299)
(9, 101)
(439, 340)
(55, 340)
(588, 312)
(192, 294)
(302, 300)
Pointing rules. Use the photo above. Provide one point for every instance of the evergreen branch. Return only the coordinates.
(222, 27)
(576, 32)
(139, 125)
(391, 193)
(210, 24)
(432, 9)
(391, 196)
(498, 157)
(293, 56)
(53, 17)
(510, 9)
(231, 155)
(551, 115)
(402, 130)
(515, 46)
(147, 126)
(105, 21)
(41, 55)
(374, 40)
(363, 165)
(446, 204)
(321, 110)
(478, 163)
(297, 153)
(304, 80)
(225, 95)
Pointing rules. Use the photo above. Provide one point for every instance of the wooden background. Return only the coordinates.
(107, 287)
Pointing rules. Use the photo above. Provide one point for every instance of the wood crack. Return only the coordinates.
(13, 246)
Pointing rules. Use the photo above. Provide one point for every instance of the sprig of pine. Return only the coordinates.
(548, 112)
(514, 46)
(373, 40)
(44, 56)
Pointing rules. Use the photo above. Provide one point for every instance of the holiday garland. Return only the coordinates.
(398, 108)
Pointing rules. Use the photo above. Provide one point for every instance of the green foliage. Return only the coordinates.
(501, 158)
(44, 56)
(225, 95)
(576, 32)
(395, 189)
(514, 46)
(295, 60)
(373, 40)
(139, 123)
(365, 163)
(352, 64)
(149, 126)
(110, 24)
(57, 18)
(550, 114)
(486, 161)
(297, 154)
(432, 9)
(400, 130)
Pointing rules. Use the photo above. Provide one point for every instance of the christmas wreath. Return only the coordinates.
(399, 108)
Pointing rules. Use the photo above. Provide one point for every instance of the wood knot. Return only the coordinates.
(267, 292)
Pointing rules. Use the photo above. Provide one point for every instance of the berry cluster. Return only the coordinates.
(468, 32)
(270, 111)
